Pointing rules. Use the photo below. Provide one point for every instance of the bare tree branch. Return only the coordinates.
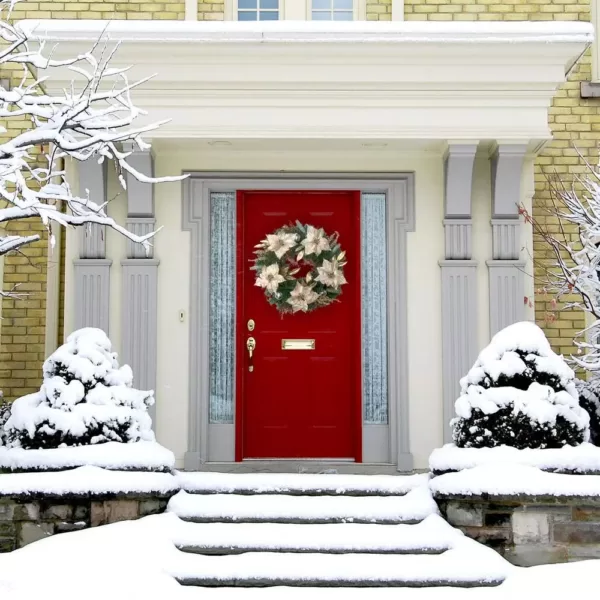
(89, 121)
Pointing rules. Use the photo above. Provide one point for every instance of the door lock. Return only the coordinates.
(251, 325)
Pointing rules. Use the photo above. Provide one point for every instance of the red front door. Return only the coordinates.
(298, 403)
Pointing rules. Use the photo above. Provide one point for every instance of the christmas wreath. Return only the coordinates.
(285, 253)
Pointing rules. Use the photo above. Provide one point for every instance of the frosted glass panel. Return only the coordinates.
(374, 307)
(222, 306)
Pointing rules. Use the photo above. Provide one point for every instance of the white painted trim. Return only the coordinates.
(330, 32)
(51, 341)
(355, 80)
(191, 10)
(596, 44)
(397, 10)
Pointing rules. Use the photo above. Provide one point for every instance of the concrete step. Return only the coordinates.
(431, 536)
(266, 508)
(267, 569)
(294, 484)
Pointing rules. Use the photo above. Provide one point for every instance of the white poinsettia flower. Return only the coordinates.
(315, 241)
(301, 297)
(270, 278)
(330, 274)
(280, 243)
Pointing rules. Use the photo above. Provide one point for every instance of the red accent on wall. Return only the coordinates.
(298, 403)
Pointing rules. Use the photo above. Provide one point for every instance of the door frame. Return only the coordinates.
(241, 333)
(212, 446)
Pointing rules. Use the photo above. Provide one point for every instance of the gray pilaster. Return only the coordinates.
(92, 184)
(506, 271)
(139, 315)
(139, 320)
(506, 293)
(92, 293)
(459, 329)
(92, 269)
(459, 277)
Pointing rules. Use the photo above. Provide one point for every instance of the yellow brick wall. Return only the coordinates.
(101, 9)
(22, 329)
(379, 10)
(575, 124)
(211, 10)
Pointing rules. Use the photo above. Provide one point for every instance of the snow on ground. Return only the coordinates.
(133, 560)
(577, 459)
(265, 483)
(510, 480)
(85, 481)
(112, 455)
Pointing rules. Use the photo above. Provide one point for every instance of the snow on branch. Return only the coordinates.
(92, 120)
(573, 235)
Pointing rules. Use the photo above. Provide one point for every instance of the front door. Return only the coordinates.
(298, 403)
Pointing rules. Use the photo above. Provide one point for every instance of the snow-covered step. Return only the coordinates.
(431, 536)
(267, 508)
(452, 568)
(299, 484)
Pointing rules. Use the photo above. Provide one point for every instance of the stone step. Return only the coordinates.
(267, 569)
(266, 508)
(299, 484)
(431, 536)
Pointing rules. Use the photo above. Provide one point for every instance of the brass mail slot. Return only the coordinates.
(297, 344)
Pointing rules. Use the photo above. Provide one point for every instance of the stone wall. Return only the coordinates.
(24, 519)
(529, 531)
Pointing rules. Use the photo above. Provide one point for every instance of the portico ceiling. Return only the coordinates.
(341, 81)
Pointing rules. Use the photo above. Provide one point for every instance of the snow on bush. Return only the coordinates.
(589, 399)
(519, 393)
(86, 398)
(4, 414)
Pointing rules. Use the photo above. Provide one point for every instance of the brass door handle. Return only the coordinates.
(251, 346)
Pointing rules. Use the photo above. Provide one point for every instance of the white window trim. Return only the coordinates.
(300, 10)
(596, 44)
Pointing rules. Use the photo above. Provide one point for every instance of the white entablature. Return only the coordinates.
(398, 80)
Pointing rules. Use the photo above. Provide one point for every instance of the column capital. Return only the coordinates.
(458, 179)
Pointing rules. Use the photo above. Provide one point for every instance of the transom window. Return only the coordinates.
(258, 10)
(332, 10)
(295, 10)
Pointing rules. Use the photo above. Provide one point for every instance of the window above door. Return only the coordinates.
(296, 10)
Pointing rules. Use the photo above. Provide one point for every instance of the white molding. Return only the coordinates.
(369, 80)
(404, 33)
(596, 45)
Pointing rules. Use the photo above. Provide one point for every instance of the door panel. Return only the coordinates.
(298, 403)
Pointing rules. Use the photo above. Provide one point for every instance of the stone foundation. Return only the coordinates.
(527, 530)
(25, 519)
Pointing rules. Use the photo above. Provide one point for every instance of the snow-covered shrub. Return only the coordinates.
(519, 393)
(85, 398)
(4, 415)
(589, 399)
